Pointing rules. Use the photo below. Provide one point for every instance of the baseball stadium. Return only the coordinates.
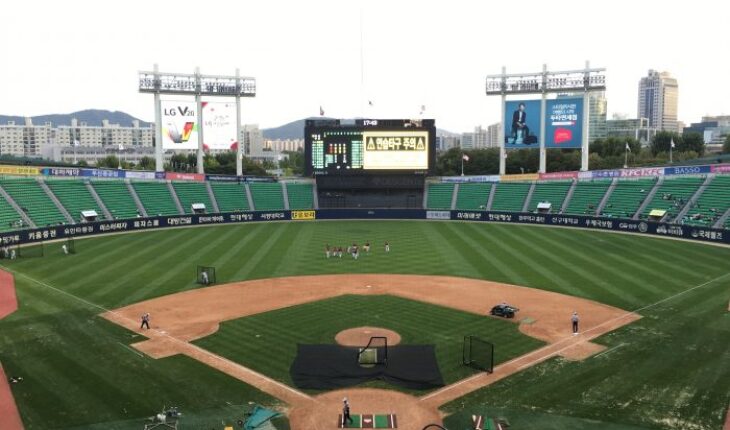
(569, 300)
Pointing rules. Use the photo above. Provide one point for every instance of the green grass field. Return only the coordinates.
(268, 342)
(671, 369)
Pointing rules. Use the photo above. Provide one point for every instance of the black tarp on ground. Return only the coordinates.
(334, 366)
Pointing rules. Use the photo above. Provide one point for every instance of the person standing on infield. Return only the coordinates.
(145, 321)
(346, 412)
(574, 319)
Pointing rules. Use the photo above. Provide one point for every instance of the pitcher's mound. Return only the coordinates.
(360, 336)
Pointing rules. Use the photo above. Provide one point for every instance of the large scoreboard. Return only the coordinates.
(369, 146)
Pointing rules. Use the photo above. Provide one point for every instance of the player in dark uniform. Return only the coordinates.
(574, 319)
(346, 412)
(145, 321)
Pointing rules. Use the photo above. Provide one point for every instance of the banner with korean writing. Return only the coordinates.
(564, 123)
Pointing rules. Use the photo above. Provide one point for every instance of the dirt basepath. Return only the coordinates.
(9, 416)
(180, 318)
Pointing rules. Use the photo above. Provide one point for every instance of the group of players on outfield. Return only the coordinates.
(353, 250)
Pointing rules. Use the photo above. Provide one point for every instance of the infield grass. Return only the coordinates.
(669, 370)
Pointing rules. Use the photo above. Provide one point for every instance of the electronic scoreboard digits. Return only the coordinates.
(369, 146)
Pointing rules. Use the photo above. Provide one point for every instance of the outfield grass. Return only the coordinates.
(670, 369)
(268, 342)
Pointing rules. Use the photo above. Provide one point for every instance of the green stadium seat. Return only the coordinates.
(300, 196)
(627, 197)
(74, 196)
(9, 217)
(29, 195)
(473, 196)
(553, 192)
(672, 196)
(267, 196)
(439, 196)
(711, 205)
(116, 197)
(192, 192)
(155, 197)
(510, 196)
(587, 196)
(231, 197)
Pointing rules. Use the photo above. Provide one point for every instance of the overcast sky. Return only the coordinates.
(63, 56)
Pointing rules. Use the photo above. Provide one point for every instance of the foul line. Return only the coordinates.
(131, 349)
(122, 317)
(541, 358)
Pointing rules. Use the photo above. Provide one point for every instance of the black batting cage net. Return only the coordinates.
(478, 353)
(205, 275)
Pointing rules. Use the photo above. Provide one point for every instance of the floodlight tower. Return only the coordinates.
(199, 86)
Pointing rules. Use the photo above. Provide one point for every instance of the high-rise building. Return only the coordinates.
(658, 98)
(494, 135)
(597, 111)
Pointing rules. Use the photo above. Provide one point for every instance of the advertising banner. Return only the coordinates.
(19, 170)
(135, 174)
(462, 179)
(222, 178)
(564, 123)
(219, 126)
(598, 174)
(303, 215)
(102, 173)
(644, 171)
(175, 176)
(179, 126)
(61, 171)
(558, 175)
(519, 177)
(720, 168)
(686, 170)
(522, 124)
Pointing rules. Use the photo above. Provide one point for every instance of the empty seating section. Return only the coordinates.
(300, 196)
(192, 192)
(711, 205)
(231, 197)
(156, 198)
(9, 217)
(29, 195)
(116, 197)
(439, 196)
(473, 196)
(74, 196)
(627, 197)
(587, 196)
(553, 192)
(267, 196)
(510, 196)
(672, 195)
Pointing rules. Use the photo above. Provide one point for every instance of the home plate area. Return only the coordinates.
(369, 421)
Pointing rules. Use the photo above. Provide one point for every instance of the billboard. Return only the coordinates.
(219, 126)
(179, 126)
(564, 123)
(522, 124)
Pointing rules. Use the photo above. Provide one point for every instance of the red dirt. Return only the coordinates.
(9, 415)
(727, 420)
(180, 318)
(360, 336)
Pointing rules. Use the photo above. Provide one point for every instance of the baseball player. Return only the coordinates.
(346, 412)
(339, 251)
(145, 321)
(574, 319)
(387, 247)
(64, 248)
(327, 250)
(366, 247)
(204, 277)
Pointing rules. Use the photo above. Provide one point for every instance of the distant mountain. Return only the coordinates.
(90, 116)
(295, 130)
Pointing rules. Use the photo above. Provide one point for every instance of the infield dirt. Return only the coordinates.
(178, 319)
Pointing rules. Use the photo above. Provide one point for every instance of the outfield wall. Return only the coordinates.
(578, 221)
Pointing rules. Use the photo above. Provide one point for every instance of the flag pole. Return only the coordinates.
(462, 164)
(626, 156)
(671, 147)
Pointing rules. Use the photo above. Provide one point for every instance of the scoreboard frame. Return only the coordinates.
(315, 126)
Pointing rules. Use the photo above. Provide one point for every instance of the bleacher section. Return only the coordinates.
(74, 196)
(472, 196)
(9, 217)
(510, 196)
(587, 196)
(231, 197)
(267, 196)
(156, 198)
(192, 192)
(627, 197)
(711, 205)
(115, 196)
(29, 195)
(672, 195)
(553, 192)
(300, 196)
(439, 196)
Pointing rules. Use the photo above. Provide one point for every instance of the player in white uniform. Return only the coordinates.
(387, 247)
